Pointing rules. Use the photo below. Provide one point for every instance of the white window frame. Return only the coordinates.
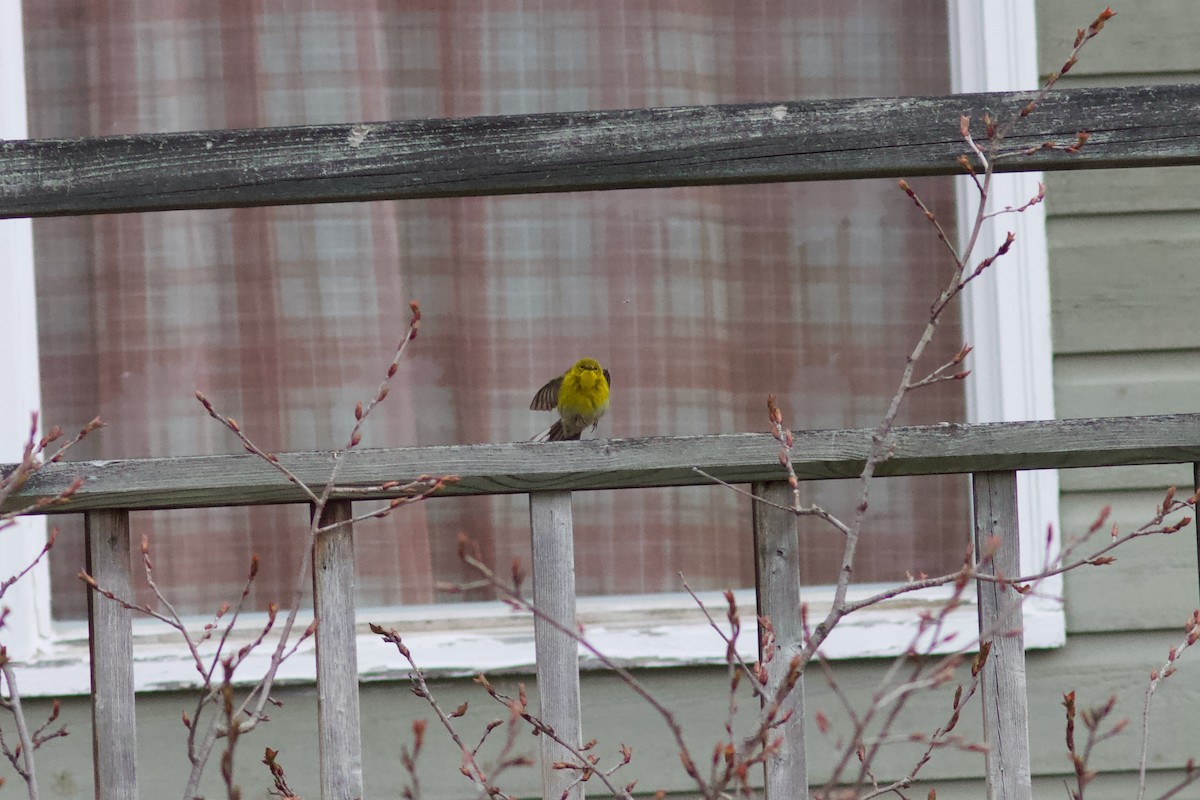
(993, 48)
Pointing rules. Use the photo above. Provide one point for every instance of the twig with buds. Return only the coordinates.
(33, 458)
(198, 750)
(471, 768)
(586, 764)
(469, 554)
(1191, 634)
(732, 659)
(1093, 722)
(29, 741)
(281, 788)
(35, 454)
(961, 275)
(319, 503)
(733, 757)
(894, 691)
(241, 718)
(408, 760)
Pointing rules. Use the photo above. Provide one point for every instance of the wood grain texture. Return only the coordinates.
(1003, 688)
(638, 148)
(557, 653)
(777, 580)
(338, 714)
(110, 640)
(203, 481)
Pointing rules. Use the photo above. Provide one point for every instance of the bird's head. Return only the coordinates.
(588, 364)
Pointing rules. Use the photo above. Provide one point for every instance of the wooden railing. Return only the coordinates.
(823, 140)
(549, 473)
(1138, 126)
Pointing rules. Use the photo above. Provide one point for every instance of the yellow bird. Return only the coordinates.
(580, 396)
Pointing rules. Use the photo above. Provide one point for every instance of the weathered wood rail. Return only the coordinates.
(588, 150)
(787, 141)
(521, 467)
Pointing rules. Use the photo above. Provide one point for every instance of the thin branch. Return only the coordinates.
(586, 766)
(249, 713)
(800, 511)
(730, 641)
(5, 584)
(1156, 677)
(22, 760)
(515, 599)
(933, 220)
(471, 767)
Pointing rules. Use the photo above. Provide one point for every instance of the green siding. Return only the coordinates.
(1151, 586)
(1124, 293)
(1128, 383)
(1119, 282)
(1124, 191)
(1095, 666)
(1157, 38)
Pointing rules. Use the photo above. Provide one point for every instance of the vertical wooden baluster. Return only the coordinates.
(777, 583)
(110, 642)
(338, 717)
(557, 653)
(1005, 710)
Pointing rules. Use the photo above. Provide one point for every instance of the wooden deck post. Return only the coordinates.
(1005, 703)
(557, 653)
(777, 584)
(338, 717)
(110, 642)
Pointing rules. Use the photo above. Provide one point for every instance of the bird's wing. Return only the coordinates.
(547, 397)
(608, 379)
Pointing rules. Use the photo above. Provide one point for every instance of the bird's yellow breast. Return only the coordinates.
(584, 392)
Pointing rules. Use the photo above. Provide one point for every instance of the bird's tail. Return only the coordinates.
(555, 433)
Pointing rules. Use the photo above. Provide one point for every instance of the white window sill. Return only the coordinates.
(465, 639)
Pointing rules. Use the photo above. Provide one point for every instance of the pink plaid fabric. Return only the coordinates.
(700, 301)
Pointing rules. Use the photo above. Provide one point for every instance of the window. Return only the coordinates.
(701, 301)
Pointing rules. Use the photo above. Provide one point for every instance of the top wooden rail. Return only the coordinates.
(235, 480)
(562, 152)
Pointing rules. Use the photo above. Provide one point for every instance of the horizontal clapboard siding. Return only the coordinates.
(1123, 272)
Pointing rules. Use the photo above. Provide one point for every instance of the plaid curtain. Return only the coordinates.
(701, 301)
